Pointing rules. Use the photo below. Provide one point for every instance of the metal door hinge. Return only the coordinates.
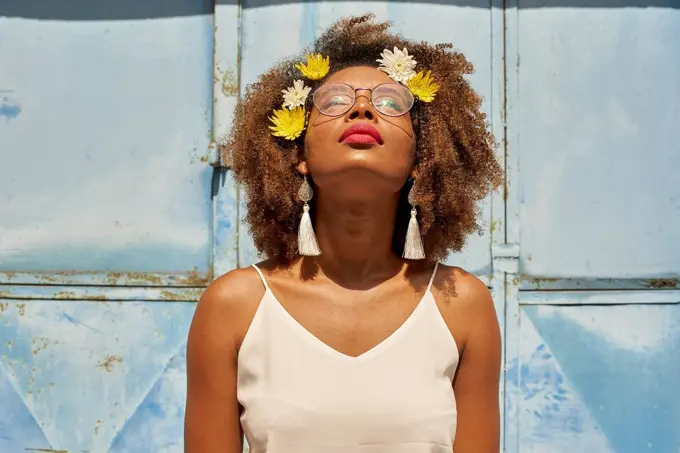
(505, 258)
(214, 157)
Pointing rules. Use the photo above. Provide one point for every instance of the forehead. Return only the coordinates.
(360, 76)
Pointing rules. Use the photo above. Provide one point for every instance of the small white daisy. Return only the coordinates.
(399, 65)
(295, 96)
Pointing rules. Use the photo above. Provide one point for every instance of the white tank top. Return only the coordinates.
(299, 395)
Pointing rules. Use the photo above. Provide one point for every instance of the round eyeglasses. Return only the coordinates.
(389, 99)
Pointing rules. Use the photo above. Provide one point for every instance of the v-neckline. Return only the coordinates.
(325, 347)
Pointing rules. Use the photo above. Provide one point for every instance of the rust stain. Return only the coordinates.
(65, 295)
(10, 275)
(39, 343)
(21, 309)
(48, 279)
(663, 283)
(193, 278)
(229, 83)
(114, 278)
(97, 425)
(493, 225)
(3, 306)
(108, 363)
(171, 295)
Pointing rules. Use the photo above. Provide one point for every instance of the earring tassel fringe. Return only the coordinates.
(307, 244)
(413, 248)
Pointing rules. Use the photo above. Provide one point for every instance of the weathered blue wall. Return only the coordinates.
(114, 214)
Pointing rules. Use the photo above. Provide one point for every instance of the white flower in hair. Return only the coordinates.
(399, 65)
(295, 96)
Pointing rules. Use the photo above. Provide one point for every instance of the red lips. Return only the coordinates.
(364, 134)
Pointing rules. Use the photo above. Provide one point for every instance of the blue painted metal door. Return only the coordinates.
(593, 308)
(107, 208)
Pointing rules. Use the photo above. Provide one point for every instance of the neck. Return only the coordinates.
(356, 239)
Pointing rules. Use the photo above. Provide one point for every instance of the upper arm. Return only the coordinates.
(476, 385)
(212, 411)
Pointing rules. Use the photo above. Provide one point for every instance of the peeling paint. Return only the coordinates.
(193, 278)
(171, 295)
(664, 283)
(229, 83)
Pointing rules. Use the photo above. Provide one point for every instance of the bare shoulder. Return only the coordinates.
(464, 301)
(229, 304)
(456, 285)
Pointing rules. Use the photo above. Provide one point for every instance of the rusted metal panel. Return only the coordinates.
(118, 115)
(544, 284)
(98, 293)
(192, 278)
(82, 376)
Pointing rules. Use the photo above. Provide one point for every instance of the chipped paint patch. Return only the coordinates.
(9, 106)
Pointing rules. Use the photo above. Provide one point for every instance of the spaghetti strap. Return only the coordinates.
(259, 272)
(434, 274)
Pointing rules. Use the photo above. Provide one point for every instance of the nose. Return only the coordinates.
(362, 108)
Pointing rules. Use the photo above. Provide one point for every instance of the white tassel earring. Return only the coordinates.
(307, 245)
(413, 247)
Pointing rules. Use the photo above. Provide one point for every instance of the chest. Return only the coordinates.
(350, 322)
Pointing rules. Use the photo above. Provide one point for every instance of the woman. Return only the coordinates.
(350, 337)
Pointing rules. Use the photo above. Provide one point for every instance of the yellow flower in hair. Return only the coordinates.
(423, 87)
(288, 124)
(316, 68)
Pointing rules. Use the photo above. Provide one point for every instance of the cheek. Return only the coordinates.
(403, 123)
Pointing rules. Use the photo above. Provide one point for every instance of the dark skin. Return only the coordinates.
(361, 291)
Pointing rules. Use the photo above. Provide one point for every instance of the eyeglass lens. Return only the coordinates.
(390, 99)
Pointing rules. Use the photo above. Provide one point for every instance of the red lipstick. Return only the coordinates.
(364, 134)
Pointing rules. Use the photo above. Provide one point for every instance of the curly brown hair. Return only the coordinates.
(455, 162)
